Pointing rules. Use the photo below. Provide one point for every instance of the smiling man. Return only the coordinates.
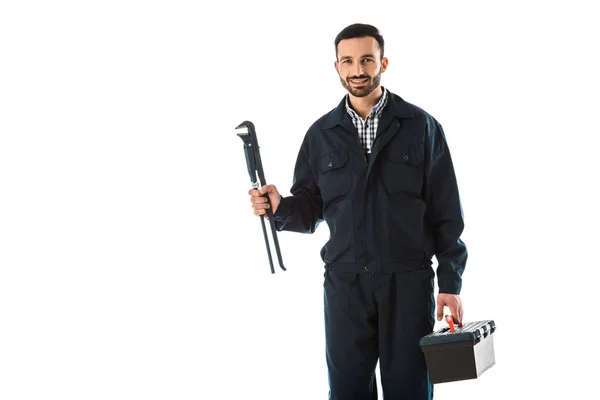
(378, 170)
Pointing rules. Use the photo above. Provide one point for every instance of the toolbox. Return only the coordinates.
(459, 353)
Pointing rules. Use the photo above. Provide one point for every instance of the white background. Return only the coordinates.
(131, 265)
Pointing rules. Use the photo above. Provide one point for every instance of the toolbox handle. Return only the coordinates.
(450, 322)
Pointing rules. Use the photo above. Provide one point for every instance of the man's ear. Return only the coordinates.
(335, 64)
(384, 64)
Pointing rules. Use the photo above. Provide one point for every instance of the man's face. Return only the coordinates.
(359, 65)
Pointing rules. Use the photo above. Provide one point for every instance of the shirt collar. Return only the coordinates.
(377, 108)
(396, 107)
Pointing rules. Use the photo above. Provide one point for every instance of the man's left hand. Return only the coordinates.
(452, 301)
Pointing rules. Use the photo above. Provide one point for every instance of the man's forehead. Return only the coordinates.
(358, 47)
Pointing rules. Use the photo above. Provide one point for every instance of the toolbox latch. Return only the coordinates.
(486, 331)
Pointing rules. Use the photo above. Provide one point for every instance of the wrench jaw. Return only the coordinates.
(244, 134)
(245, 131)
(246, 124)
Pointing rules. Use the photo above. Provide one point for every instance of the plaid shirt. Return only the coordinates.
(368, 127)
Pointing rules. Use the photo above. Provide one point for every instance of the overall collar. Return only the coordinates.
(396, 107)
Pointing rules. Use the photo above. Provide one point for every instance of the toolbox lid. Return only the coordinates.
(470, 332)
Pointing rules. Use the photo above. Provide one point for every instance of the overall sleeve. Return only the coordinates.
(444, 214)
(302, 211)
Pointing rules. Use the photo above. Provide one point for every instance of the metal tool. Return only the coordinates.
(247, 132)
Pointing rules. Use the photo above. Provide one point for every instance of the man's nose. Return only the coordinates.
(357, 70)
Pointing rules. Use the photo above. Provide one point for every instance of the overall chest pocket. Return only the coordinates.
(335, 178)
(403, 168)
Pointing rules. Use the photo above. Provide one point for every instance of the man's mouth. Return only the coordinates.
(359, 82)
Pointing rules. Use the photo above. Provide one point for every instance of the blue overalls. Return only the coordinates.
(388, 215)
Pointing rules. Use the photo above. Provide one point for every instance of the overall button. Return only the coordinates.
(366, 268)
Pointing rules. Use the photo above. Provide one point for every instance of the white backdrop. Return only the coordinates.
(131, 265)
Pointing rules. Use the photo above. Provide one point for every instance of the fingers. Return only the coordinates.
(260, 202)
(258, 199)
(455, 316)
(254, 192)
(456, 311)
(454, 303)
(260, 209)
(260, 205)
(261, 192)
(268, 189)
(440, 308)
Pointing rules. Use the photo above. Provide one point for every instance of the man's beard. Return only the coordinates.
(361, 91)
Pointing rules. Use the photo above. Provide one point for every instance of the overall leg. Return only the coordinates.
(406, 307)
(351, 337)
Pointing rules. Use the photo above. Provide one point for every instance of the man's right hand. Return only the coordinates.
(259, 202)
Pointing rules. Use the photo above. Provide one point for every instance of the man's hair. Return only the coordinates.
(359, 31)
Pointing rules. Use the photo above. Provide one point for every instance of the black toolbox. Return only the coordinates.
(459, 353)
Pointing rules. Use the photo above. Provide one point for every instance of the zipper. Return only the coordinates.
(362, 216)
(361, 150)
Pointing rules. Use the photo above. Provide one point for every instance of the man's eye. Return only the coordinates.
(366, 60)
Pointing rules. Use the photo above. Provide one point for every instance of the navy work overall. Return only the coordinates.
(388, 215)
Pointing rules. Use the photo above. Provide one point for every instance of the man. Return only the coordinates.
(378, 170)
